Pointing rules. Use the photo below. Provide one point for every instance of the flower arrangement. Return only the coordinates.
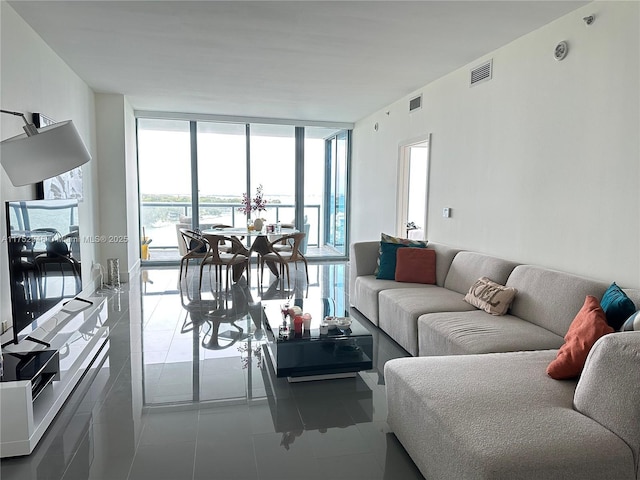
(253, 204)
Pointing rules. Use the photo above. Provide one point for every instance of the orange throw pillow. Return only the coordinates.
(416, 265)
(589, 325)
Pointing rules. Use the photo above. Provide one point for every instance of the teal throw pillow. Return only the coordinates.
(406, 242)
(632, 324)
(617, 306)
(388, 255)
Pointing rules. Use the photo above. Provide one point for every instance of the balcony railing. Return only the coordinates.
(160, 218)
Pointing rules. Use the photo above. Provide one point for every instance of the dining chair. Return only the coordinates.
(283, 245)
(220, 259)
(223, 247)
(195, 246)
(284, 258)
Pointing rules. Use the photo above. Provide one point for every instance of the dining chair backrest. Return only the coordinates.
(295, 239)
(214, 241)
(194, 243)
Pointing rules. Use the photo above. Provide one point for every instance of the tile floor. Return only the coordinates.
(176, 400)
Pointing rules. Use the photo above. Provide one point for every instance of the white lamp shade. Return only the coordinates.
(56, 149)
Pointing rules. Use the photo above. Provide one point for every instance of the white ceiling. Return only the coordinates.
(307, 60)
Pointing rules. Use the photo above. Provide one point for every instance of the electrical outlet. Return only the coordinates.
(5, 326)
(446, 212)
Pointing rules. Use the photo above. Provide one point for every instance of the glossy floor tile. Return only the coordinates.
(181, 396)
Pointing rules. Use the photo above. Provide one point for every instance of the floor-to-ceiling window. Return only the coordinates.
(194, 174)
(164, 166)
(222, 172)
(273, 168)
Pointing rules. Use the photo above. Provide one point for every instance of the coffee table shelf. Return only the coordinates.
(313, 356)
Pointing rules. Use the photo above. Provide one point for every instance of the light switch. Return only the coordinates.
(446, 212)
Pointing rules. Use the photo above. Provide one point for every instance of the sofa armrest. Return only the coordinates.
(608, 388)
(363, 259)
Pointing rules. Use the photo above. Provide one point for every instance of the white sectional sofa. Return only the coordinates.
(477, 402)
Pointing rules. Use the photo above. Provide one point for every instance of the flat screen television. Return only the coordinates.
(43, 244)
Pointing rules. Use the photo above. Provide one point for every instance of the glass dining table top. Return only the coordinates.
(245, 232)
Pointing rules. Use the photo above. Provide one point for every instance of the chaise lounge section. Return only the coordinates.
(501, 417)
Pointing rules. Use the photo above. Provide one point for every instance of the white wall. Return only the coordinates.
(34, 79)
(118, 181)
(540, 165)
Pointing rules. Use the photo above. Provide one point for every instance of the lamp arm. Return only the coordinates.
(29, 128)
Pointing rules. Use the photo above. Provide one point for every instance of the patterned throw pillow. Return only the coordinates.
(384, 238)
(617, 306)
(632, 324)
(490, 296)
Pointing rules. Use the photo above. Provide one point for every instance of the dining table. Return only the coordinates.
(258, 241)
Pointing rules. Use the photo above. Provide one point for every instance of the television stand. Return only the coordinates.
(38, 367)
(28, 337)
(30, 403)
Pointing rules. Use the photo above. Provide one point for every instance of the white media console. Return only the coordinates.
(77, 332)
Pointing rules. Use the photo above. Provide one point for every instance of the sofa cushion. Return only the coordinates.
(633, 294)
(550, 298)
(464, 333)
(617, 306)
(589, 325)
(497, 416)
(400, 308)
(490, 296)
(632, 323)
(416, 265)
(363, 286)
(467, 267)
(608, 388)
(366, 289)
(444, 257)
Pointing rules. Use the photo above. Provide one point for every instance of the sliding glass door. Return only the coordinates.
(336, 191)
(325, 188)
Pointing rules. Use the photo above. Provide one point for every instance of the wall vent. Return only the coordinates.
(481, 73)
(415, 103)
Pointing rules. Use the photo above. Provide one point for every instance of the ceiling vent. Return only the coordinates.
(481, 73)
(415, 103)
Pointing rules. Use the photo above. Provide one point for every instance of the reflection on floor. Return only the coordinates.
(185, 393)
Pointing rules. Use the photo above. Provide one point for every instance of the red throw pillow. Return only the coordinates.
(416, 265)
(589, 325)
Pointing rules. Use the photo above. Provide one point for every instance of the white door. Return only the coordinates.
(413, 189)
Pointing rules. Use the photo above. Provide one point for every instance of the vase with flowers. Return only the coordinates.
(256, 204)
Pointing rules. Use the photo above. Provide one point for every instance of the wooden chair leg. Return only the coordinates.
(306, 269)
(286, 265)
(201, 269)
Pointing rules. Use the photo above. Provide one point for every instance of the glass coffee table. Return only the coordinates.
(340, 353)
